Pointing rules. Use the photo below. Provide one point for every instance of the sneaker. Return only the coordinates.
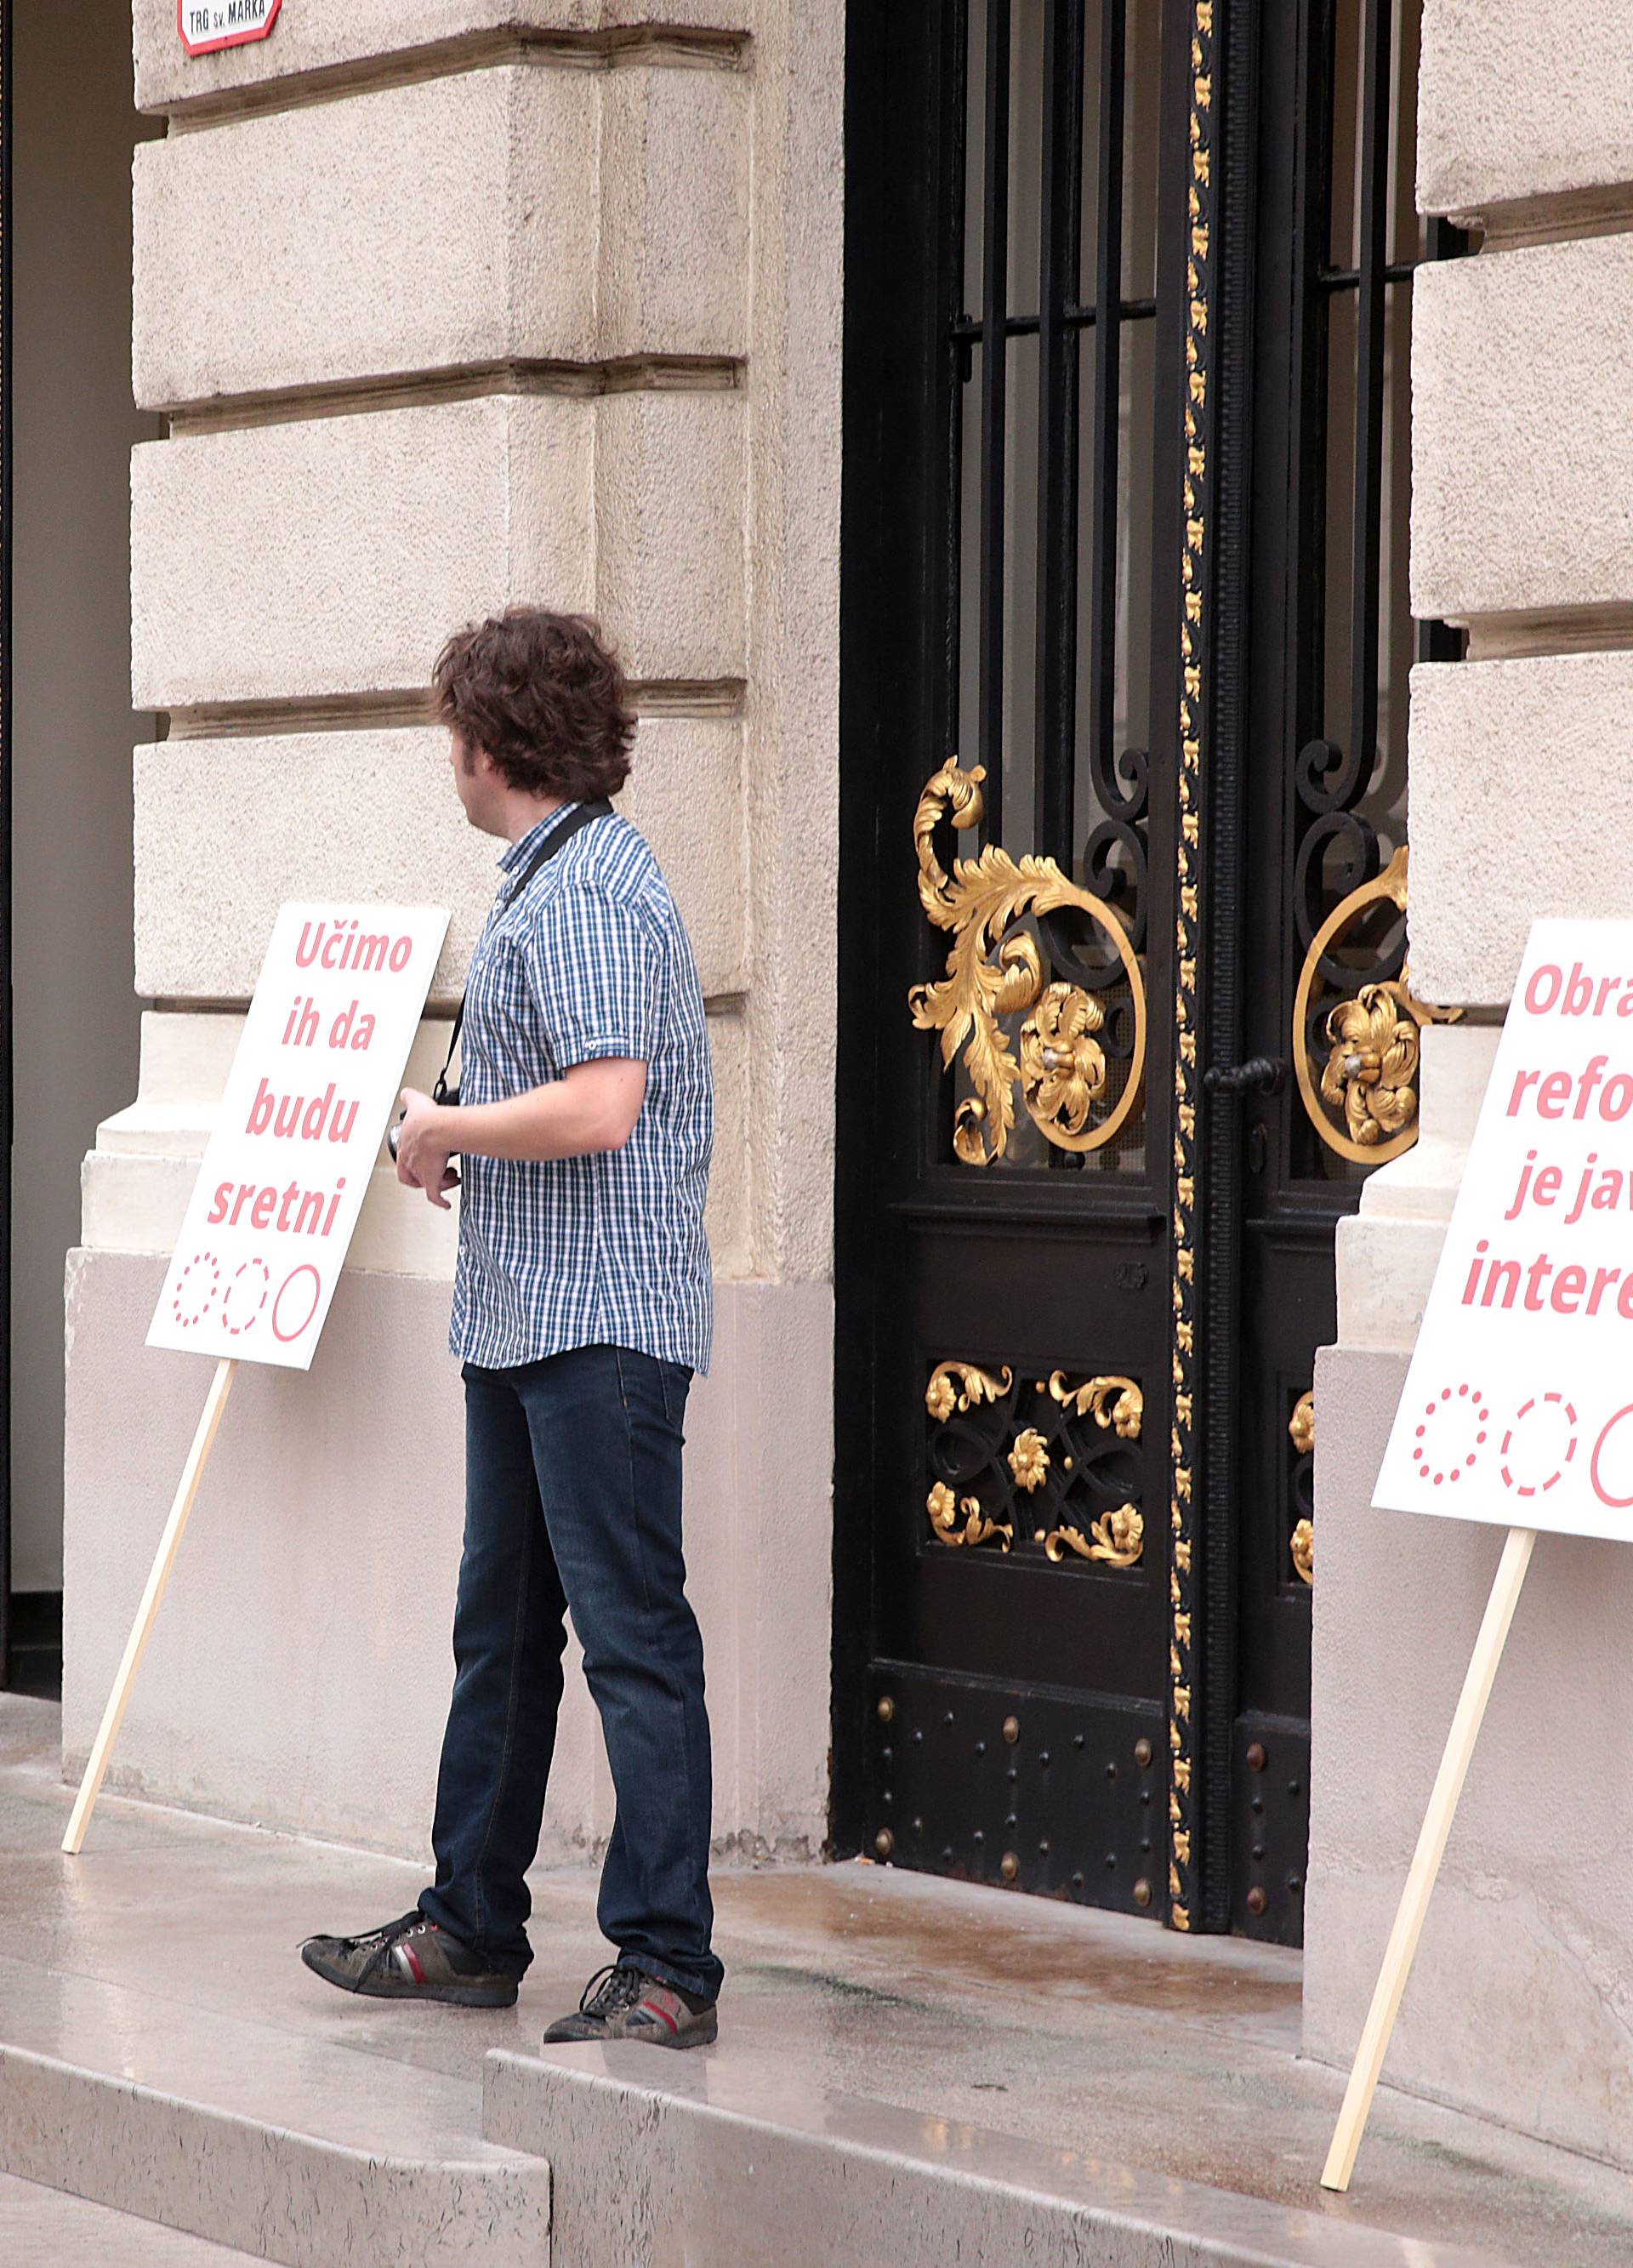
(409, 1960)
(624, 2003)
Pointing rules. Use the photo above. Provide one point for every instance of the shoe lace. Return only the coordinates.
(612, 1989)
(389, 1933)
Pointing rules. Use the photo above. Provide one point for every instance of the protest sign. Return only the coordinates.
(298, 1131)
(285, 1171)
(1517, 1407)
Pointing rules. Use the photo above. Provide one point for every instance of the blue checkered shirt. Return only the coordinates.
(590, 960)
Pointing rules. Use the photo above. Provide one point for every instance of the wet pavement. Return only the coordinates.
(1032, 2020)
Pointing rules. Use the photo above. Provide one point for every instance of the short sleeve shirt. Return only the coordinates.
(589, 959)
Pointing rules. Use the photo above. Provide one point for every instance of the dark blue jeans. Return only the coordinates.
(573, 1505)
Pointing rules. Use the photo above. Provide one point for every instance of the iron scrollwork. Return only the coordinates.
(1066, 1478)
(1004, 916)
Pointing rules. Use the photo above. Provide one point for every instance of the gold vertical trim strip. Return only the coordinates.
(1187, 937)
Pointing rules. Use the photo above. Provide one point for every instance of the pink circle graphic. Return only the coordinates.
(1616, 1503)
(1549, 1417)
(200, 1260)
(237, 1330)
(1459, 1429)
(306, 1269)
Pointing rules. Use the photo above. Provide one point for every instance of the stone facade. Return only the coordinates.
(518, 301)
(1520, 2005)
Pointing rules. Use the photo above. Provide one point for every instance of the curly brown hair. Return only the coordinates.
(543, 694)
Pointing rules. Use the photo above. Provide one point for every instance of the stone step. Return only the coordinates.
(729, 2156)
(43, 2229)
(118, 2095)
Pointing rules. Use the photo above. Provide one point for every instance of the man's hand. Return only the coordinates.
(424, 1146)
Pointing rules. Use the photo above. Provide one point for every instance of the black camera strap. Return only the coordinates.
(558, 837)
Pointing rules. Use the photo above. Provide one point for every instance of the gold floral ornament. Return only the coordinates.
(1364, 1101)
(944, 1509)
(1117, 1539)
(1029, 1460)
(994, 969)
(1371, 1073)
(1303, 1551)
(1063, 1065)
(1116, 1402)
(1301, 1424)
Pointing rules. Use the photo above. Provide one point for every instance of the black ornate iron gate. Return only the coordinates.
(1123, 547)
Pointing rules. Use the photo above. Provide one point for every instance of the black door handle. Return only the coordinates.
(1266, 1073)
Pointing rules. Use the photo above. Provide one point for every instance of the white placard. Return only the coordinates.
(208, 26)
(1518, 1403)
(305, 1110)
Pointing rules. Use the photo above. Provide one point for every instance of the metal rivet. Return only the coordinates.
(1038, 1383)
(980, 1747)
(1043, 1849)
(1256, 1900)
(980, 1837)
(947, 1719)
(1043, 1756)
(1141, 1892)
(1012, 1730)
(1258, 1852)
(1077, 1740)
(1011, 1773)
(1142, 1754)
(883, 1841)
(1255, 1807)
(887, 1756)
(1294, 1885)
(1076, 1881)
(1110, 1771)
(1009, 1865)
(1256, 1758)
(1295, 1787)
(918, 1738)
(1111, 1862)
(1011, 1821)
(886, 1709)
(946, 1854)
(1067, 1462)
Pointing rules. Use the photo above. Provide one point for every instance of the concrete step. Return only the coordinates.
(119, 2094)
(730, 2156)
(42, 2229)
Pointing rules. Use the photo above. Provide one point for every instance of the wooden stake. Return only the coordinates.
(136, 1645)
(1420, 1881)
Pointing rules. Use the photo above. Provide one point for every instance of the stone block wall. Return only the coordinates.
(449, 304)
(1520, 2006)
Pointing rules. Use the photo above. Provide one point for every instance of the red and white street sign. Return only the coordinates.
(1518, 1406)
(208, 26)
(305, 1108)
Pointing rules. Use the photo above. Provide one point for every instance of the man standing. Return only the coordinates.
(583, 1124)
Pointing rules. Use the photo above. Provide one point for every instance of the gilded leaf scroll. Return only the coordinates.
(1361, 1096)
(995, 970)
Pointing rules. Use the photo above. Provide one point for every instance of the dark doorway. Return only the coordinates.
(1123, 629)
